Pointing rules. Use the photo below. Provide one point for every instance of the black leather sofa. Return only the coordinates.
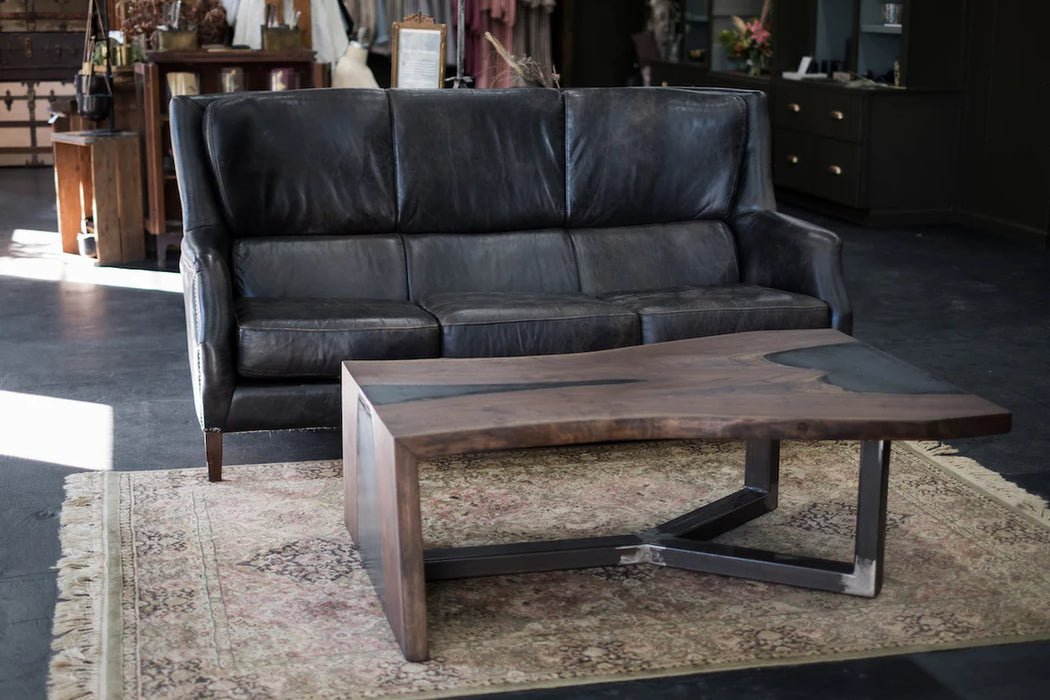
(324, 225)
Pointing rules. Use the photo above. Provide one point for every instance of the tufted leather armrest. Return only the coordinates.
(210, 327)
(205, 268)
(786, 253)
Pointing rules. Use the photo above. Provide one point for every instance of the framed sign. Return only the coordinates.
(418, 53)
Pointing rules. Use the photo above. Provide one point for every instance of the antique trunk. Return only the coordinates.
(41, 49)
(25, 135)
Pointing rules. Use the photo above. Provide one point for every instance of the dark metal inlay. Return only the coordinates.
(857, 367)
(382, 394)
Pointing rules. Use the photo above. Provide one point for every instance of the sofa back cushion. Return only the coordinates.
(473, 161)
(656, 256)
(523, 261)
(311, 162)
(320, 267)
(640, 156)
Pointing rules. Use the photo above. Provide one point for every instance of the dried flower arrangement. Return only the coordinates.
(210, 18)
(207, 17)
(525, 67)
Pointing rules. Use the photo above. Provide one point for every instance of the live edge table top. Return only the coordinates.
(770, 385)
(761, 387)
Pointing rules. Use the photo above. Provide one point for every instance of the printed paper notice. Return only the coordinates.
(419, 58)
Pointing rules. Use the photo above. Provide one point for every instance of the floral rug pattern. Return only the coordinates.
(252, 587)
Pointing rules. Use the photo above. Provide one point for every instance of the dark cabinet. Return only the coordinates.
(883, 148)
(890, 154)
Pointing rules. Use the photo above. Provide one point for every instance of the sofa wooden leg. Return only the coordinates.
(213, 449)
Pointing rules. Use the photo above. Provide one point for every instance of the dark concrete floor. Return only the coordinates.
(969, 307)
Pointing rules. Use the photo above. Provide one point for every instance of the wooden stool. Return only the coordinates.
(98, 176)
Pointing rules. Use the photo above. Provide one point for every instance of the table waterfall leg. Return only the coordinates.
(871, 519)
(351, 458)
(390, 533)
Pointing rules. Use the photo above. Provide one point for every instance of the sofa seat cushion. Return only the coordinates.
(692, 312)
(308, 338)
(502, 324)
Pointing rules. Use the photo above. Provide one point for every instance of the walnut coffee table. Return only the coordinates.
(760, 387)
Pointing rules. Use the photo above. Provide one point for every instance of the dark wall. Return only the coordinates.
(1006, 135)
(592, 41)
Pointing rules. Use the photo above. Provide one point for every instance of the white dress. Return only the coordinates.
(328, 33)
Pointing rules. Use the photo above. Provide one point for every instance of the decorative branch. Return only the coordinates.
(526, 67)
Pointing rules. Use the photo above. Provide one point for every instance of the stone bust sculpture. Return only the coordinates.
(663, 21)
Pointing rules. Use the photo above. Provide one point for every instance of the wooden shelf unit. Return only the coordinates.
(163, 210)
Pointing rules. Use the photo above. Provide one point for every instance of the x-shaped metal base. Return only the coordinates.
(387, 528)
(684, 542)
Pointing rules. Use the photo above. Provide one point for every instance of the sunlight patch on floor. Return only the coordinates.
(37, 255)
(60, 431)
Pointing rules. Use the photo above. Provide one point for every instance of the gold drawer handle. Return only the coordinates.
(834, 170)
(794, 107)
(793, 159)
(837, 115)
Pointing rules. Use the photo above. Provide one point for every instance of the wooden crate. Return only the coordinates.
(98, 178)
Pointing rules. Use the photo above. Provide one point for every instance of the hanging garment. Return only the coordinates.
(231, 7)
(363, 12)
(536, 25)
(327, 31)
(250, 16)
(326, 27)
(496, 17)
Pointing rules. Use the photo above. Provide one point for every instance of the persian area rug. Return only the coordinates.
(176, 587)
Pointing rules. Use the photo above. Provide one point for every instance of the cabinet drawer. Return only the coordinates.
(840, 116)
(823, 112)
(837, 174)
(791, 108)
(793, 160)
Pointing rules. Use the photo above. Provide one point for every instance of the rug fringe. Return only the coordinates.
(77, 626)
(984, 479)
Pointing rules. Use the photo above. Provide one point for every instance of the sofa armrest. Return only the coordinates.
(210, 324)
(786, 253)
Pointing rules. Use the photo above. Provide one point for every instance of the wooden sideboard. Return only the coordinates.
(881, 151)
